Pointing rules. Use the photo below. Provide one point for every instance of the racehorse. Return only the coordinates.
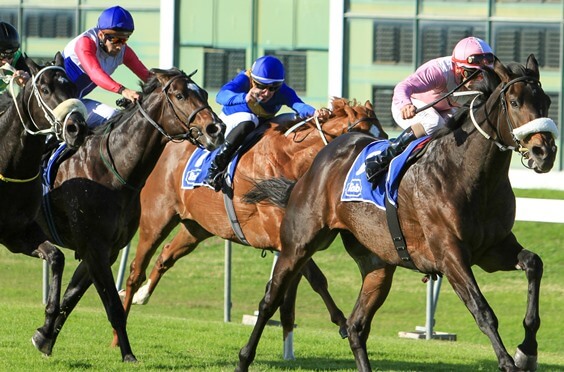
(93, 206)
(164, 204)
(45, 106)
(455, 205)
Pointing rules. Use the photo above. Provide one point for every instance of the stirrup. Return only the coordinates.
(216, 182)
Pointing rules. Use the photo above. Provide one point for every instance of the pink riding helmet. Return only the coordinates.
(473, 52)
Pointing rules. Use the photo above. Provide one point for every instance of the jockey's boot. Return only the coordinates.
(226, 151)
(377, 164)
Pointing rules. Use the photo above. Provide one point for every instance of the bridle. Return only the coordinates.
(517, 134)
(58, 128)
(192, 134)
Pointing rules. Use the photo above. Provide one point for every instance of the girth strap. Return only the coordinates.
(228, 201)
(397, 236)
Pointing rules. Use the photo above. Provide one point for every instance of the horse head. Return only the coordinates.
(48, 104)
(350, 117)
(523, 120)
(192, 117)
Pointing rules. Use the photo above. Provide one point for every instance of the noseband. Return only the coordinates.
(193, 133)
(57, 127)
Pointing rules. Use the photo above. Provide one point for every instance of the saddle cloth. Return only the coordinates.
(357, 187)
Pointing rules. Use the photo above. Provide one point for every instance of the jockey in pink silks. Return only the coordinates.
(428, 83)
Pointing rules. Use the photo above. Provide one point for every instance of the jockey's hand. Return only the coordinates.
(322, 113)
(408, 111)
(21, 77)
(131, 95)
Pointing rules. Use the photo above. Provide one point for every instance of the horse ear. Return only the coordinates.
(33, 67)
(369, 105)
(533, 65)
(59, 60)
(501, 70)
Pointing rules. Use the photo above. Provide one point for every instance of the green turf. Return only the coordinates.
(182, 327)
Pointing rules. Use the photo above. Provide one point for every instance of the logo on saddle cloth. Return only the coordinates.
(357, 187)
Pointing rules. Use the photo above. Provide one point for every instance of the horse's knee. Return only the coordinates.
(531, 263)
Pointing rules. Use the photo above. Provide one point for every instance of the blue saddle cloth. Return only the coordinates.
(49, 168)
(197, 167)
(358, 188)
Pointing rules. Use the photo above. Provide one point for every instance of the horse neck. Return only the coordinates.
(484, 162)
(135, 147)
(20, 152)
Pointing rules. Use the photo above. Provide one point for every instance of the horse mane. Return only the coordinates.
(487, 85)
(146, 89)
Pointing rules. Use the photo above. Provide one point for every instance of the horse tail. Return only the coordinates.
(275, 191)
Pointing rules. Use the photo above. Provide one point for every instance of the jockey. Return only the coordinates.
(94, 55)
(429, 82)
(252, 97)
(11, 57)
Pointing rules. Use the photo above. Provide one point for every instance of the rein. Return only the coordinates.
(56, 125)
(176, 138)
(527, 128)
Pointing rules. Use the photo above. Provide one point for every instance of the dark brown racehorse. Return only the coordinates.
(45, 105)
(456, 209)
(164, 204)
(93, 207)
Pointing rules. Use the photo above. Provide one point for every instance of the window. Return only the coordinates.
(553, 110)
(382, 100)
(49, 23)
(221, 65)
(439, 40)
(515, 42)
(295, 68)
(393, 42)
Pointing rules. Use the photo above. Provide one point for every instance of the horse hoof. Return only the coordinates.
(130, 358)
(343, 332)
(41, 343)
(525, 362)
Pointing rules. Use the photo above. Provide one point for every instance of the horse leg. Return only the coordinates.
(100, 272)
(183, 243)
(152, 232)
(510, 255)
(464, 283)
(376, 284)
(318, 282)
(286, 270)
(79, 283)
(288, 317)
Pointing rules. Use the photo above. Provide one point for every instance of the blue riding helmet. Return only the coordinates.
(268, 70)
(116, 18)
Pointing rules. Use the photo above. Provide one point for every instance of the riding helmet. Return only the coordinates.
(116, 18)
(470, 47)
(268, 70)
(9, 37)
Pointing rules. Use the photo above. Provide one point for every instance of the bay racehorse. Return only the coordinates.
(456, 209)
(202, 214)
(93, 206)
(44, 106)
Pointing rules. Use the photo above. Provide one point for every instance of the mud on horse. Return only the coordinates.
(456, 209)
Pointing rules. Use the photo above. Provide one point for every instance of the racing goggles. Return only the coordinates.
(115, 40)
(486, 59)
(466, 72)
(270, 87)
(8, 53)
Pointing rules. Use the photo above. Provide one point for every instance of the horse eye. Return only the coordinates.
(514, 103)
(179, 96)
(45, 90)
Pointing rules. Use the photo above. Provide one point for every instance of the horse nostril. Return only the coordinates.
(72, 129)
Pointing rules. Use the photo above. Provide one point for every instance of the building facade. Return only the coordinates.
(351, 48)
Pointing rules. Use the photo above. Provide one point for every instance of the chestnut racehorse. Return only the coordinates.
(46, 105)
(456, 209)
(201, 211)
(93, 207)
